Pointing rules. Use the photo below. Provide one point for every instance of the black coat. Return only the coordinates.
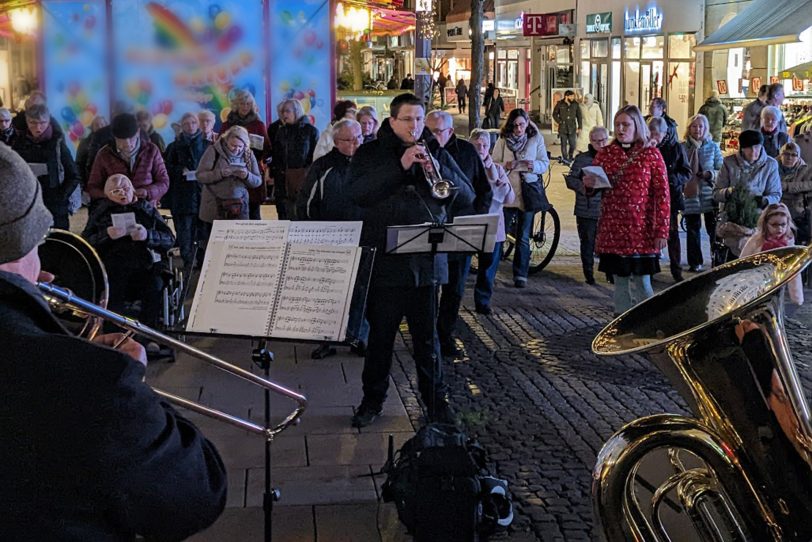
(568, 116)
(679, 170)
(470, 163)
(324, 195)
(390, 196)
(183, 196)
(293, 147)
(124, 250)
(62, 177)
(89, 451)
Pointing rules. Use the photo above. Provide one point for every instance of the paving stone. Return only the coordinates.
(289, 524)
(353, 449)
(316, 484)
(347, 523)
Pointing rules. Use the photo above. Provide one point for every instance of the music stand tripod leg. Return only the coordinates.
(263, 358)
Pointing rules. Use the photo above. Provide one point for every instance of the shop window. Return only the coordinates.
(653, 46)
(513, 54)
(501, 54)
(584, 76)
(614, 95)
(584, 45)
(600, 48)
(631, 78)
(681, 45)
(681, 91)
(631, 47)
(616, 48)
(563, 54)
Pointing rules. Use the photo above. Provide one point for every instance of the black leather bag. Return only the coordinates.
(534, 196)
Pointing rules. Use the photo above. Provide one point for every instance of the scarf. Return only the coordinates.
(784, 170)
(234, 118)
(693, 154)
(771, 243)
(44, 136)
(195, 143)
(516, 144)
(6, 134)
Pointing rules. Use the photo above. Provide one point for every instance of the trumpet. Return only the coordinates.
(71, 251)
(440, 188)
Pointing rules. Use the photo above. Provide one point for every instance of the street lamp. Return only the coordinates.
(24, 20)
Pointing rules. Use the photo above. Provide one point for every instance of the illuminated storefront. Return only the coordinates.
(19, 53)
(631, 53)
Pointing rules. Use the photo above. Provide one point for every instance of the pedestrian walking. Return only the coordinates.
(462, 95)
(496, 107)
(716, 113)
(705, 160)
(657, 109)
(635, 211)
(442, 83)
(587, 203)
(591, 116)
(487, 98)
(751, 118)
(502, 193)
(567, 114)
(520, 149)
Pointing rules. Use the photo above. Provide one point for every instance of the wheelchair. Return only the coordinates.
(173, 293)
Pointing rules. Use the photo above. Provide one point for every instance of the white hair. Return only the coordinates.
(771, 110)
(448, 120)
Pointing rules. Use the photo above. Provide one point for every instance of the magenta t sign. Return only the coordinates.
(540, 24)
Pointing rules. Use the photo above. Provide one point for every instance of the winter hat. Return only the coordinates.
(24, 219)
(124, 126)
(750, 138)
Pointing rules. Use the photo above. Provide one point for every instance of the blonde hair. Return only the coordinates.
(298, 109)
(772, 210)
(240, 133)
(641, 134)
(790, 146)
(702, 119)
(368, 111)
(205, 113)
(243, 96)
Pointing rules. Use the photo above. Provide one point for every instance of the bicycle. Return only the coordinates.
(544, 236)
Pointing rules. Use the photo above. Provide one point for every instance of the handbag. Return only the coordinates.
(534, 196)
(294, 181)
(691, 188)
(228, 208)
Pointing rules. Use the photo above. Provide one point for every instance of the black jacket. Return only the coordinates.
(568, 116)
(390, 195)
(324, 195)
(679, 170)
(293, 147)
(183, 196)
(124, 249)
(89, 451)
(470, 163)
(62, 177)
(672, 125)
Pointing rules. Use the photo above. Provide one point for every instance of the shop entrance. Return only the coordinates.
(555, 72)
(599, 82)
(643, 81)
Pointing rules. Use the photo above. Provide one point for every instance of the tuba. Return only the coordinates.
(440, 188)
(79, 303)
(741, 467)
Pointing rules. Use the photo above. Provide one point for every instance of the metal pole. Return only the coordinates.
(422, 49)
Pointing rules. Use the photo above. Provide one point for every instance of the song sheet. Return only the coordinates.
(325, 233)
(315, 292)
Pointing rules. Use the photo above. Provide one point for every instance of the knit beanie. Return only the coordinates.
(750, 138)
(124, 126)
(24, 219)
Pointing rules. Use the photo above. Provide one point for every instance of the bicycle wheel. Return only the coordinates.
(544, 239)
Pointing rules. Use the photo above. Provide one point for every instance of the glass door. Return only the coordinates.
(651, 81)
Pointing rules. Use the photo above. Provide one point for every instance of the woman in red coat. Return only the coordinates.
(635, 212)
(244, 113)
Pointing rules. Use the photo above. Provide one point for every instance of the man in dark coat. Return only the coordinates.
(587, 202)
(716, 113)
(441, 125)
(183, 198)
(387, 180)
(657, 109)
(47, 153)
(679, 172)
(90, 452)
(567, 114)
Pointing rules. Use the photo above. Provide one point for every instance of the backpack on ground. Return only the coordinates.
(442, 488)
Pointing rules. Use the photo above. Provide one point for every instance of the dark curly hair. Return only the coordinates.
(507, 128)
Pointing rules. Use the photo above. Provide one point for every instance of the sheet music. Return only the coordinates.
(237, 288)
(467, 236)
(273, 232)
(315, 292)
(325, 233)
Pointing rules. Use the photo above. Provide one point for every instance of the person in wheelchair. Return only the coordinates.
(132, 240)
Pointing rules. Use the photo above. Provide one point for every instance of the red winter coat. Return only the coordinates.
(636, 210)
(149, 171)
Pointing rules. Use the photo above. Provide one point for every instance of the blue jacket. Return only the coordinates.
(710, 159)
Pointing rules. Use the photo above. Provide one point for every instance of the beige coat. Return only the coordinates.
(212, 174)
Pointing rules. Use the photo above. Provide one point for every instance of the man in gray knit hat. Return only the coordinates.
(89, 452)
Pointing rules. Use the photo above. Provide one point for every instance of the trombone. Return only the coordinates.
(63, 299)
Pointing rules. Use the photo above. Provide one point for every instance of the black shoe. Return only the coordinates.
(365, 415)
(610, 278)
(520, 283)
(590, 280)
(677, 277)
(322, 351)
(359, 349)
(450, 350)
(443, 414)
(696, 268)
(483, 309)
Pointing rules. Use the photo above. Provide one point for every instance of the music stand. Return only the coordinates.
(466, 236)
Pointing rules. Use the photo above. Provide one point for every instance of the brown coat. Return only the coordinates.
(149, 171)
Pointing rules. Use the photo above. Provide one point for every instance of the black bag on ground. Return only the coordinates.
(442, 489)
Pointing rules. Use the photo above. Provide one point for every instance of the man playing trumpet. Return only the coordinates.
(89, 452)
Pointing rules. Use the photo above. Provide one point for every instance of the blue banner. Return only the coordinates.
(178, 56)
(75, 53)
(301, 28)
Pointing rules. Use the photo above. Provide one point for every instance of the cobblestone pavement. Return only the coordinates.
(539, 401)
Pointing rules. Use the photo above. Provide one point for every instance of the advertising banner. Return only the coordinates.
(74, 53)
(178, 56)
(300, 34)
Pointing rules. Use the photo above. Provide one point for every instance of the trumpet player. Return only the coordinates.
(89, 451)
(388, 180)
(441, 125)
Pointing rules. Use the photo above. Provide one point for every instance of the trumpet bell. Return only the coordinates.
(79, 269)
(719, 339)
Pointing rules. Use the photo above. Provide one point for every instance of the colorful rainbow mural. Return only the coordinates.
(171, 30)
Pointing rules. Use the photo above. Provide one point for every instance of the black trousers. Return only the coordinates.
(128, 284)
(693, 224)
(568, 142)
(674, 246)
(451, 297)
(587, 231)
(386, 307)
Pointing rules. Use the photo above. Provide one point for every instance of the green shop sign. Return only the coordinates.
(599, 23)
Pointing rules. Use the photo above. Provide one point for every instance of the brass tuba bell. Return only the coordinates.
(741, 467)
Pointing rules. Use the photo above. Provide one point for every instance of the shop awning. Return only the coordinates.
(764, 22)
(391, 22)
(801, 71)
